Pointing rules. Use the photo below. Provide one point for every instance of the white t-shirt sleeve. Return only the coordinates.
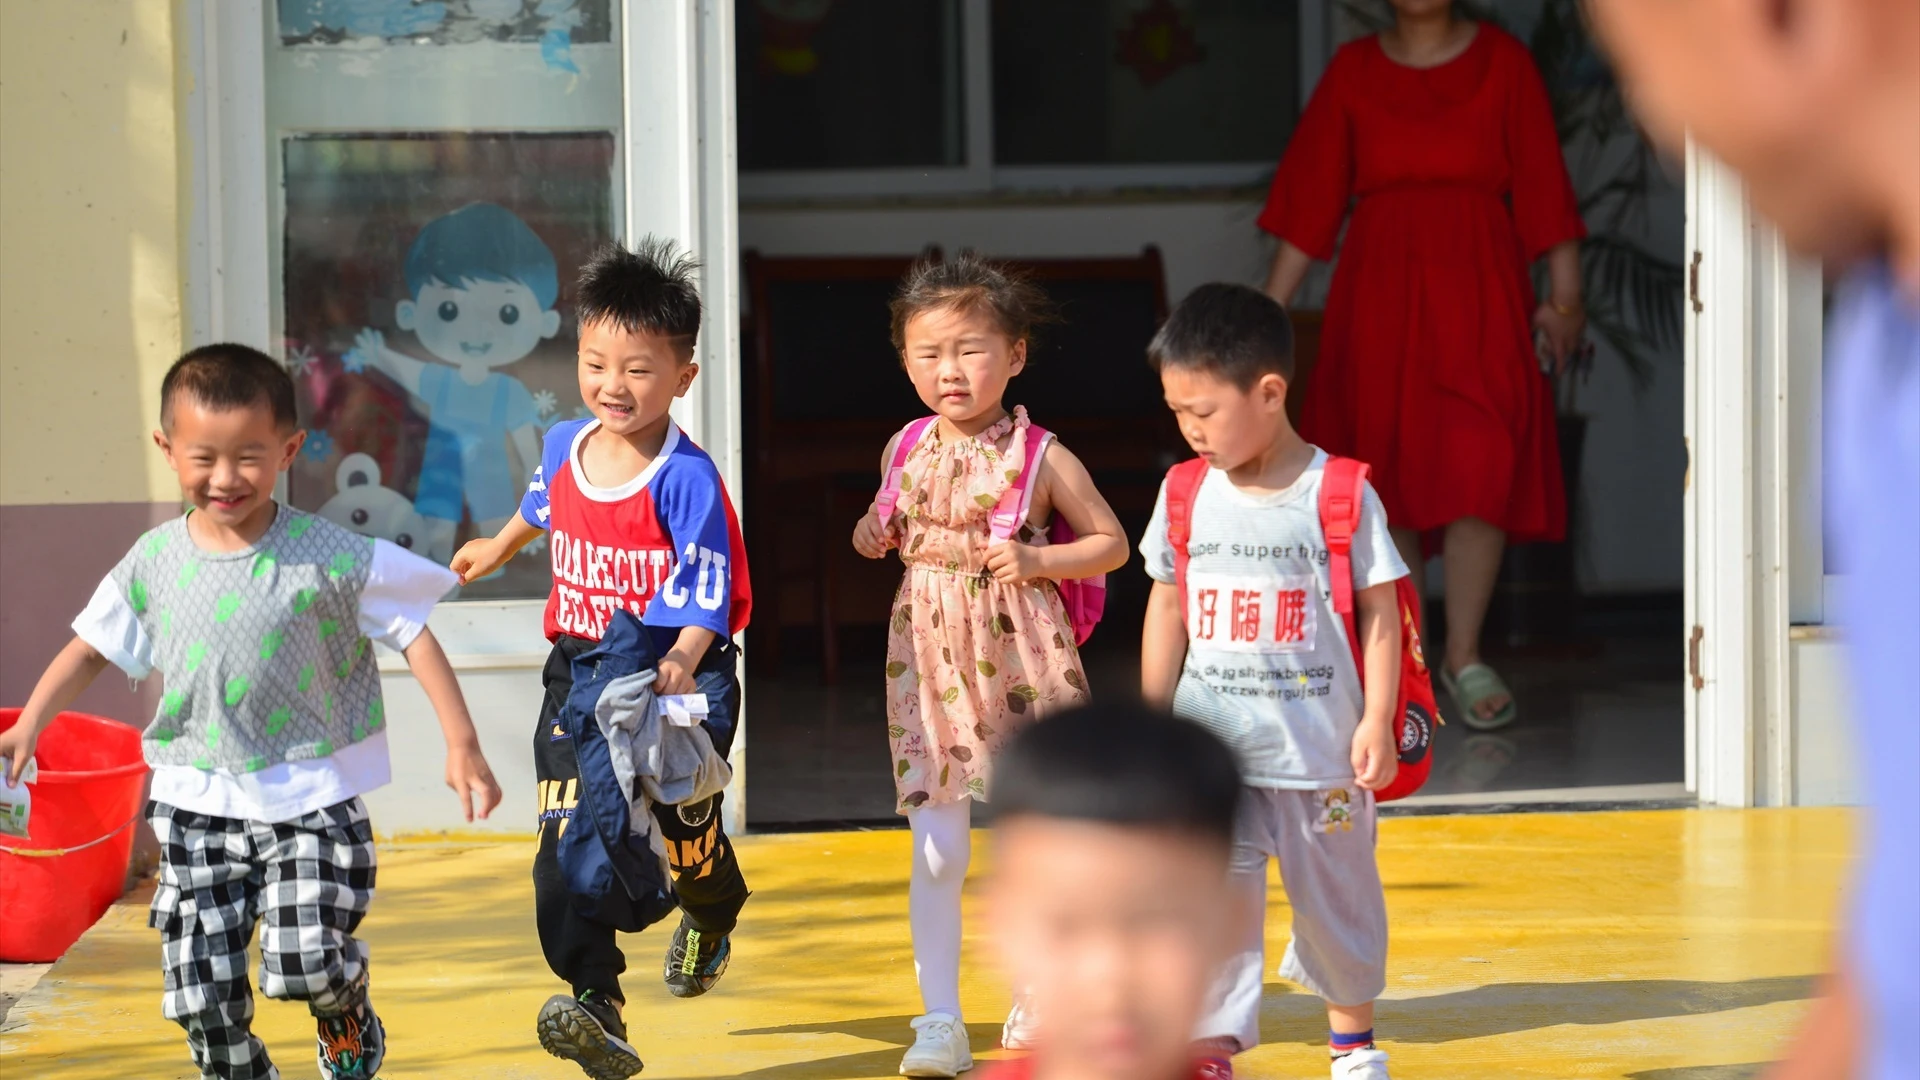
(1153, 543)
(1375, 560)
(108, 623)
(400, 593)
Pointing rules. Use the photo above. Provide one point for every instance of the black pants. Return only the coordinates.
(706, 875)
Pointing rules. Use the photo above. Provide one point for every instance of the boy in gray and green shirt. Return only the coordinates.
(270, 726)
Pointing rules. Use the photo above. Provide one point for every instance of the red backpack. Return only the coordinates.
(1341, 489)
(1085, 599)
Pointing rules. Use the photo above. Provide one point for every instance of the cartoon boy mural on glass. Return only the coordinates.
(483, 290)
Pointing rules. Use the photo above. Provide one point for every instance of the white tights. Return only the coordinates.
(942, 845)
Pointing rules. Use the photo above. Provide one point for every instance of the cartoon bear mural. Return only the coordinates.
(363, 505)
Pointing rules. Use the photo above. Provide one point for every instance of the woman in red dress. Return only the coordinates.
(1438, 136)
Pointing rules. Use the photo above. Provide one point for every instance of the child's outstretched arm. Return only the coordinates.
(1163, 646)
(1101, 544)
(478, 558)
(467, 771)
(1376, 753)
(71, 672)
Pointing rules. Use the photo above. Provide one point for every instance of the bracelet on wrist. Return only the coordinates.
(1567, 310)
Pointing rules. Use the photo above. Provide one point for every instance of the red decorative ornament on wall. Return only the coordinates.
(786, 35)
(1158, 42)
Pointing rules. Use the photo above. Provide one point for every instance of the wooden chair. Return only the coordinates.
(823, 395)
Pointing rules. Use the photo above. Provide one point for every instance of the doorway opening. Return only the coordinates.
(1121, 188)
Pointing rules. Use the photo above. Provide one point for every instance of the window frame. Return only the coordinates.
(681, 185)
(980, 176)
(677, 99)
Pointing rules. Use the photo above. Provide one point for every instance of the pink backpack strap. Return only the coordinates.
(1342, 493)
(1182, 487)
(888, 500)
(1011, 511)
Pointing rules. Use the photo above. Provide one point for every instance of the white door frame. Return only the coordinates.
(682, 184)
(1715, 503)
(1753, 548)
(228, 294)
(677, 150)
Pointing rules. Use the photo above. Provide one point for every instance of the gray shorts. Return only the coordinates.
(1324, 841)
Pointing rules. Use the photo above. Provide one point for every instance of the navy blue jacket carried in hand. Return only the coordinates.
(612, 857)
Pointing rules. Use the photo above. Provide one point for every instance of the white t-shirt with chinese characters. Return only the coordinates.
(400, 592)
(1269, 668)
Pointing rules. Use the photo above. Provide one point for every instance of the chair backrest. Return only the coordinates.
(821, 350)
(1091, 366)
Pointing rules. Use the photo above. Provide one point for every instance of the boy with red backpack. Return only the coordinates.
(1282, 620)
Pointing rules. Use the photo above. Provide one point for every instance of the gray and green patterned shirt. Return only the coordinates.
(264, 652)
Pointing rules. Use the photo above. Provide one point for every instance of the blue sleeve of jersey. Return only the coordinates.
(700, 590)
(553, 457)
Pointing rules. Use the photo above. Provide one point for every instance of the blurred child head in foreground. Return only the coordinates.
(1113, 828)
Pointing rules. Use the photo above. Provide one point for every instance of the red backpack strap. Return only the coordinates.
(1011, 511)
(1343, 485)
(888, 499)
(1183, 485)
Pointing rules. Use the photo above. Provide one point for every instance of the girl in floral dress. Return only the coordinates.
(979, 641)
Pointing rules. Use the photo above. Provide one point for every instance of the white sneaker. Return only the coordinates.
(1368, 1064)
(1022, 1029)
(939, 1048)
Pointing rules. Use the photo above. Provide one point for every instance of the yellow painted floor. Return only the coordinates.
(1657, 945)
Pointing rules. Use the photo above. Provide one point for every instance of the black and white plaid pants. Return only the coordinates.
(307, 882)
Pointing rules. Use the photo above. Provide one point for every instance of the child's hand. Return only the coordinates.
(872, 538)
(675, 676)
(1376, 754)
(1014, 563)
(476, 559)
(471, 779)
(16, 745)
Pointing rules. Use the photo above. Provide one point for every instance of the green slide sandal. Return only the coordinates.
(1471, 687)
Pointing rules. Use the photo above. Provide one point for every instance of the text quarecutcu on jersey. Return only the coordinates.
(666, 545)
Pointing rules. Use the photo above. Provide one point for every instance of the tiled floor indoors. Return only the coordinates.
(1643, 945)
(1603, 711)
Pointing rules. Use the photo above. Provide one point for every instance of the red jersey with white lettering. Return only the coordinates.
(665, 545)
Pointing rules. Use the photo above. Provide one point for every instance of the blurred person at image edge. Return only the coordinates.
(1817, 104)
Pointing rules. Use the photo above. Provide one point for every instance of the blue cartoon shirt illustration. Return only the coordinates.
(482, 290)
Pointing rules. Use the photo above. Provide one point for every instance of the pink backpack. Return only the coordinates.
(1084, 598)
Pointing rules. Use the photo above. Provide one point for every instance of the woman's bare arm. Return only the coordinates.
(1288, 271)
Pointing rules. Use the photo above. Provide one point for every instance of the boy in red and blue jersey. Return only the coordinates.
(638, 520)
(665, 545)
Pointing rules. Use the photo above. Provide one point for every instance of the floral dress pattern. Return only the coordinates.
(968, 659)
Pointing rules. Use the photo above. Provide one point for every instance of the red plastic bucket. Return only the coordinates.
(85, 801)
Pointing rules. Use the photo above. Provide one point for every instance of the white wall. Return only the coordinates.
(505, 703)
(1634, 458)
(1826, 755)
(1199, 241)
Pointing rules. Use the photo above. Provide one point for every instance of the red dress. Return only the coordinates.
(1427, 369)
